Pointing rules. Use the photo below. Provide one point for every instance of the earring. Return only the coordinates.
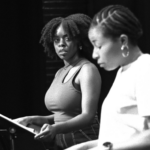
(122, 47)
(125, 50)
(80, 47)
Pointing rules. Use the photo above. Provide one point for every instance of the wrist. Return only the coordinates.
(60, 127)
(56, 128)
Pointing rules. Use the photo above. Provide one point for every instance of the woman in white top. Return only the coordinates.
(125, 116)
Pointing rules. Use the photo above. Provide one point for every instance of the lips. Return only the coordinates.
(62, 51)
(101, 64)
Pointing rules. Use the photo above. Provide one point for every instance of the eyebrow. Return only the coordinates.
(66, 35)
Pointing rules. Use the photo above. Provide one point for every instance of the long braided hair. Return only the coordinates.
(116, 20)
(77, 25)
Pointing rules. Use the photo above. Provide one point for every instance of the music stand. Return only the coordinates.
(20, 137)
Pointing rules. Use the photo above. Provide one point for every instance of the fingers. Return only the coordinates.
(46, 133)
(16, 120)
(45, 137)
(43, 132)
(19, 120)
(43, 127)
(22, 120)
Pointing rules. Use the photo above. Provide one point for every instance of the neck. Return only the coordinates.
(134, 54)
(71, 61)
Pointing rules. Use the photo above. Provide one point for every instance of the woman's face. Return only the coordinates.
(66, 47)
(106, 51)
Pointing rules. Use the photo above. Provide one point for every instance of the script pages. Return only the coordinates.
(8, 123)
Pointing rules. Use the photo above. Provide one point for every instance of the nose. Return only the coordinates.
(61, 42)
(95, 54)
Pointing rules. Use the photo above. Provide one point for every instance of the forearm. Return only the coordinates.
(40, 120)
(91, 144)
(75, 123)
(84, 146)
(140, 142)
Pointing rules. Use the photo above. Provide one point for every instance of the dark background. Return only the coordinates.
(23, 73)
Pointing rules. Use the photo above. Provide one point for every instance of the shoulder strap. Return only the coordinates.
(81, 63)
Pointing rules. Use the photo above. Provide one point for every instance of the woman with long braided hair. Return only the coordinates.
(74, 93)
(125, 116)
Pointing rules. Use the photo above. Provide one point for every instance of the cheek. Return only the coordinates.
(55, 46)
(110, 51)
(105, 52)
(72, 46)
(115, 52)
(113, 57)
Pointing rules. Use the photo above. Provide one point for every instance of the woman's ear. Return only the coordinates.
(124, 45)
(124, 39)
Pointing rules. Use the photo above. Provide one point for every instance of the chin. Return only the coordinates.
(110, 68)
(62, 57)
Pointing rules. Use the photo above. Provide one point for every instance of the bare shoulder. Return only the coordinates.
(89, 69)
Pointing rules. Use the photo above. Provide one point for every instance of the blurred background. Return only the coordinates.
(25, 70)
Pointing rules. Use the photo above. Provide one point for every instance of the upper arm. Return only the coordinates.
(90, 84)
(147, 122)
(143, 90)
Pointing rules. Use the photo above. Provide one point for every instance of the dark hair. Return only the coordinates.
(116, 20)
(77, 25)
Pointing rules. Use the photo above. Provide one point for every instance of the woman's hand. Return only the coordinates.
(23, 120)
(47, 133)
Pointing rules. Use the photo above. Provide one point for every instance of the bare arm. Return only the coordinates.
(139, 142)
(84, 146)
(90, 83)
(36, 120)
(40, 120)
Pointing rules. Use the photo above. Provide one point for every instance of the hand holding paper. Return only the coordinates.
(47, 133)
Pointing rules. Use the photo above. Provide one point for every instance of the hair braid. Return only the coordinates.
(116, 20)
